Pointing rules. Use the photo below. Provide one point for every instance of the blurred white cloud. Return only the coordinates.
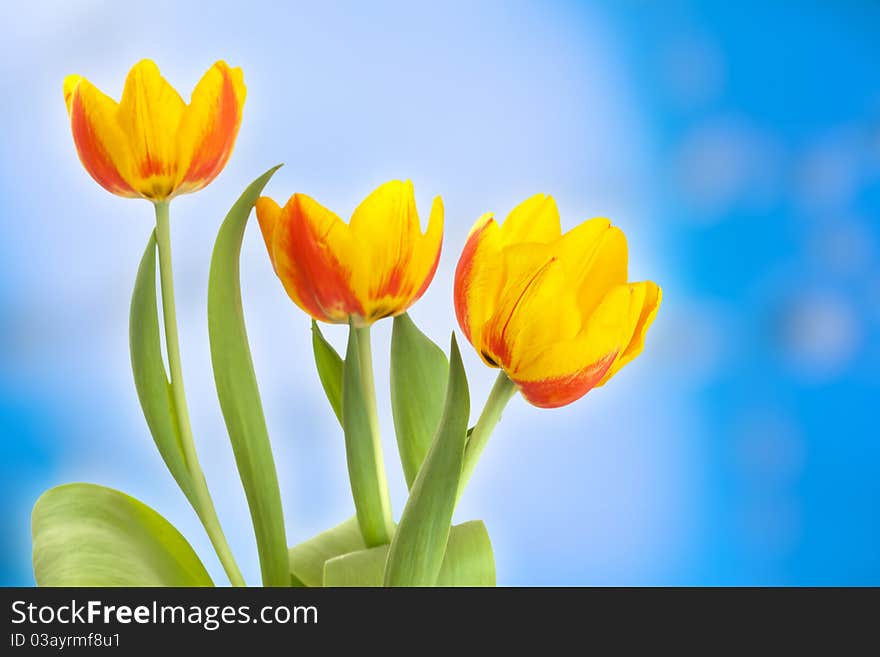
(819, 333)
(843, 246)
(727, 162)
(829, 170)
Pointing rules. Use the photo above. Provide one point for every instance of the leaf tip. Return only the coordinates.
(454, 351)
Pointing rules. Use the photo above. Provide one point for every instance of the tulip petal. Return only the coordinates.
(209, 126)
(647, 297)
(536, 308)
(480, 273)
(554, 392)
(100, 143)
(557, 372)
(595, 255)
(478, 278)
(268, 214)
(427, 251)
(534, 220)
(149, 114)
(310, 245)
(386, 228)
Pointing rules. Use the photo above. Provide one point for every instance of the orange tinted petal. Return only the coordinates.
(478, 278)
(268, 214)
(100, 144)
(554, 392)
(310, 249)
(574, 364)
(210, 125)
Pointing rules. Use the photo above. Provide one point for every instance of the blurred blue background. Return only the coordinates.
(737, 144)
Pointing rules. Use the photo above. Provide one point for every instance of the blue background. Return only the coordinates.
(737, 144)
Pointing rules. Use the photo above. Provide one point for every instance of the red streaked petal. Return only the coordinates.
(307, 264)
(464, 271)
(90, 138)
(211, 124)
(559, 391)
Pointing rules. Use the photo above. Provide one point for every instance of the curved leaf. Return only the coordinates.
(238, 392)
(419, 543)
(88, 535)
(419, 371)
(307, 559)
(150, 377)
(329, 366)
(468, 561)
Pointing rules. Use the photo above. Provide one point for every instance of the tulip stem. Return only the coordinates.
(363, 443)
(502, 392)
(204, 505)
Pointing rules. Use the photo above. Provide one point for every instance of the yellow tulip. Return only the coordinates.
(152, 144)
(375, 266)
(556, 312)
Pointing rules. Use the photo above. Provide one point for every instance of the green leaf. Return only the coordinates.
(150, 377)
(88, 535)
(238, 392)
(307, 559)
(419, 543)
(468, 561)
(329, 366)
(419, 372)
(363, 446)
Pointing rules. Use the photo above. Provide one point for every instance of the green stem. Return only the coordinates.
(204, 506)
(502, 392)
(363, 443)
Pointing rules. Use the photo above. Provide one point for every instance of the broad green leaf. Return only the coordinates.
(88, 535)
(238, 392)
(329, 366)
(419, 371)
(307, 559)
(468, 561)
(363, 446)
(150, 377)
(419, 543)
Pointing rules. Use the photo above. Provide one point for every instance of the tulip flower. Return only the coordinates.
(554, 311)
(152, 144)
(376, 266)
